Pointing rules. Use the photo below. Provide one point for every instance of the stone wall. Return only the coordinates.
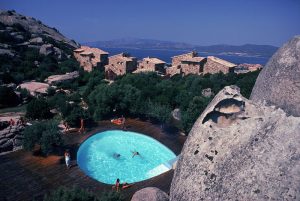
(189, 68)
(173, 70)
(118, 66)
(145, 66)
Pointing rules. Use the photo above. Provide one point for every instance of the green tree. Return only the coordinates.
(38, 109)
(45, 134)
(196, 107)
(50, 91)
(159, 112)
(8, 97)
(70, 194)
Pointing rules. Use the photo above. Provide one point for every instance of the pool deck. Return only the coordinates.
(24, 176)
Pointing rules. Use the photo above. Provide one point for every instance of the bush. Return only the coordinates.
(45, 134)
(72, 194)
(112, 196)
(8, 97)
(38, 109)
(77, 194)
(50, 91)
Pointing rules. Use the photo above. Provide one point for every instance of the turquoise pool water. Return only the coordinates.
(97, 157)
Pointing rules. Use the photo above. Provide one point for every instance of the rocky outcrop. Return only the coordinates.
(207, 92)
(150, 194)
(35, 87)
(279, 81)
(34, 26)
(239, 150)
(54, 79)
(11, 138)
(49, 49)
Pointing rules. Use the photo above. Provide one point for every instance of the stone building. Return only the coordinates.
(245, 68)
(185, 64)
(215, 65)
(151, 65)
(120, 64)
(191, 63)
(90, 58)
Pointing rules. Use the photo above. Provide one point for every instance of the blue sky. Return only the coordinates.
(202, 22)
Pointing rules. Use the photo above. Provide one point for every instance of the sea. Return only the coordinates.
(166, 55)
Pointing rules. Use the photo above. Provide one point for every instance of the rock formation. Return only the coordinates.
(33, 26)
(10, 137)
(150, 194)
(279, 81)
(239, 150)
(35, 87)
(54, 79)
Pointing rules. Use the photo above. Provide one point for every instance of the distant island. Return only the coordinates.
(250, 50)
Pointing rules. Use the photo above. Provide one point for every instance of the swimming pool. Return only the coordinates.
(98, 157)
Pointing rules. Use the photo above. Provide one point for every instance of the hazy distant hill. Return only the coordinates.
(136, 43)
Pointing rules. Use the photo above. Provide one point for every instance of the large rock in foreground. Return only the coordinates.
(239, 150)
(279, 82)
(150, 194)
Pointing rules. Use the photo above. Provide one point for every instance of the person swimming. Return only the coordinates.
(135, 153)
(116, 155)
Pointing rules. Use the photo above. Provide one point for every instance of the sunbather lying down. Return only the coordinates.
(119, 186)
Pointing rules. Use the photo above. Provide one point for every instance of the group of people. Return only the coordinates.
(119, 185)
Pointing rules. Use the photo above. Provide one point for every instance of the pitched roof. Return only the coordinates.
(84, 49)
(221, 61)
(190, 54)
(78, 50)
(86, 53)
(154, 60)
(193, 59)
(123, 57)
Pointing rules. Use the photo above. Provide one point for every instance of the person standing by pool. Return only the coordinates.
(67, 158)
(81, 125)
(123, 122)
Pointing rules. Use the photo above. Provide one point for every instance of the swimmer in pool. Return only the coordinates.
(116, 155)
(135, 153)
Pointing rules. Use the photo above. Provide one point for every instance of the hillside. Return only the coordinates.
(31, 50)
(136, 43)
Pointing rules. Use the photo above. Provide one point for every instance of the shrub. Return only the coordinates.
(38, 109)
(45, 134)
(50, 91)
(70, 194)
(8, 97)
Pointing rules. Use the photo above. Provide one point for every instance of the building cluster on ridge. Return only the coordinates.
(123, 63)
